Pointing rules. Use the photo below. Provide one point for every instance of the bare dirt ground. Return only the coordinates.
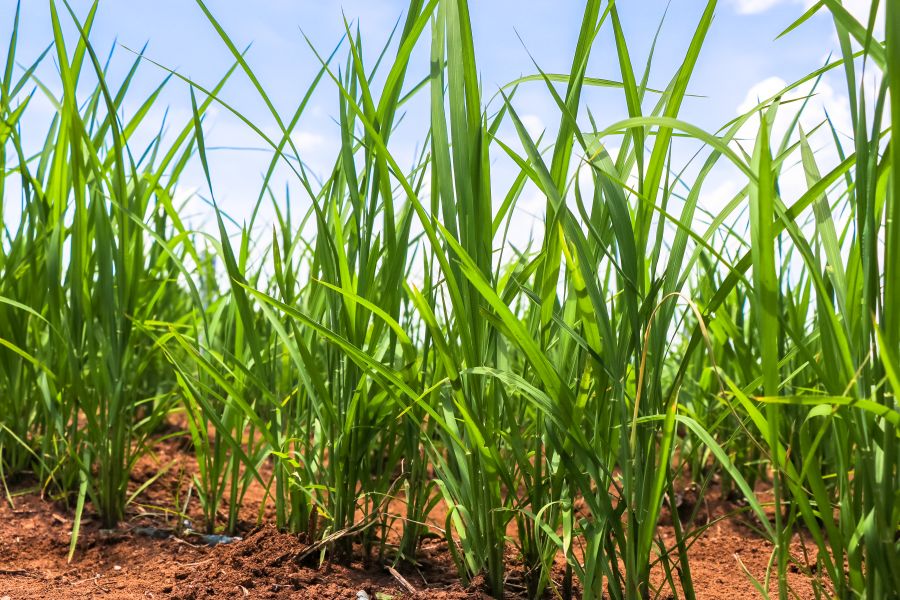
(137, 561)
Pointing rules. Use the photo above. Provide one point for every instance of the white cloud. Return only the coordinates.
(792, 181)
(308, 141)
(760, 91)
(317, 149)
(194, 211)
(714, 199)
(533, 124)
(858, 8)
(861, 9)
(752, 7)
(824, 98)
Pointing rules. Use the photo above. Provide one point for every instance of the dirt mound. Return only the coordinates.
(150, 557)
(269, 564)
(34, 540)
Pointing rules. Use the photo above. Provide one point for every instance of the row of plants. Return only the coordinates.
(387, 341)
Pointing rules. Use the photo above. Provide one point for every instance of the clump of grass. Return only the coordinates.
(97, 224)
(389, 344)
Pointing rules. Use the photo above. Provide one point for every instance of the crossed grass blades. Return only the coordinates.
(389, 343)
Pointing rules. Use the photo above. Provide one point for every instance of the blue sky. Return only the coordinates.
(740, 61)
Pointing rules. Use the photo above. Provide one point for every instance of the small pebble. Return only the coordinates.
(360, 595)
(117, 568)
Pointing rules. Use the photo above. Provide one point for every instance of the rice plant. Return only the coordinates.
(383, 343)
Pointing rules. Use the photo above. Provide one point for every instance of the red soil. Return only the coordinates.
(126, 563)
